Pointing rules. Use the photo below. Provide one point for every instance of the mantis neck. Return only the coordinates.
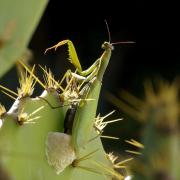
(104, 60)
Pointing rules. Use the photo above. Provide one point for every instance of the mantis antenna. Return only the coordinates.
(109, 36)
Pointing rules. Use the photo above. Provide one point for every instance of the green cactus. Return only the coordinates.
(159, 113)
(18, 21)
(33, 141)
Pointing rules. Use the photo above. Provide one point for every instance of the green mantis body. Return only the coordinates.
(86, 110)
(85, 114)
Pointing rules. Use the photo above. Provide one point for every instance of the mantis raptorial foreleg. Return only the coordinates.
(72, 53)
(74, 59)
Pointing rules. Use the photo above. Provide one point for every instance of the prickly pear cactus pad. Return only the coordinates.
(159, 114)
(57, 134)
(17, 24)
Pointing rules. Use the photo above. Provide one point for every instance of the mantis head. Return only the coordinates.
(107, 45)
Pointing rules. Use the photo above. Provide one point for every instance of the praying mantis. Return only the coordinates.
(86, 110)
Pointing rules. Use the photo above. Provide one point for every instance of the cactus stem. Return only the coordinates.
(110, 137)
(87, 156)
(109, 171)
(7, 94)
(27, 84)
(118, 165)
(89, 169)
(133, 152)
(69, 83)
(135, 143)
(2, 110)
(99, 125)
(8, 90)
(33, 75)
(50, 82)
(24, 118)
